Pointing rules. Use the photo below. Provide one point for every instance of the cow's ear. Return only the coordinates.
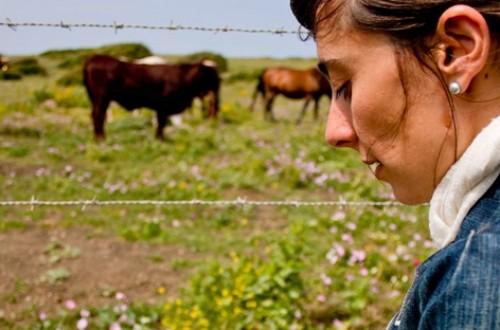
(463, 40)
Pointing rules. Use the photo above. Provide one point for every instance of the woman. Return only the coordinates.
(416, 91)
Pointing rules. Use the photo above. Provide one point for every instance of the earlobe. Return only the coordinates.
(463, 44)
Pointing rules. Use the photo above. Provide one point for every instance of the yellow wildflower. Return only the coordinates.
(251, 304)
(195, 313)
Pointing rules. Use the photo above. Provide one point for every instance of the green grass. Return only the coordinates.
(47, 152)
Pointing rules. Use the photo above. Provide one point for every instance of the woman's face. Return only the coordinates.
(409, 143)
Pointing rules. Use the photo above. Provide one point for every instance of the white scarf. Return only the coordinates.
(464, 184)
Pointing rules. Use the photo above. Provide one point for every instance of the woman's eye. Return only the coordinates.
(342, 92)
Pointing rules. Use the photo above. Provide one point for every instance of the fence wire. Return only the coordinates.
(120, 26)
(236, 202)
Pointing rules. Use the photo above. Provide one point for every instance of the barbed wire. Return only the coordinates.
(236, 202)
(120, 26)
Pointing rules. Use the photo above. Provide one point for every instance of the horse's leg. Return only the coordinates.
(268, 115)
(316, 108)
(252, 104)
(255, 97)
(259, 89)
(303, 112)
(99, 108)
(161, 118)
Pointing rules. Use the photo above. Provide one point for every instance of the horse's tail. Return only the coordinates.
(259, 89)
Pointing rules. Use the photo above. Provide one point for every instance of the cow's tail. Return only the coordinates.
(259, 89)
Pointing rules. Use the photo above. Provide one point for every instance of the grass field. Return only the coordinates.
(192, 266)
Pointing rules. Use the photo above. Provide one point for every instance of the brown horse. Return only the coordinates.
(292, 83)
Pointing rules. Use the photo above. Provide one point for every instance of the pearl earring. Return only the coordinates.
(455, 88)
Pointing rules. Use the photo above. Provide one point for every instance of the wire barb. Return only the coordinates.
(10, 24)
(117, 26)
(65, 26)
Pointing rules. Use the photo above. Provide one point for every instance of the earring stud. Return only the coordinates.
(455, 88)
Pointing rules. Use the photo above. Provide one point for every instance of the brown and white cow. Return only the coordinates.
(167, 89)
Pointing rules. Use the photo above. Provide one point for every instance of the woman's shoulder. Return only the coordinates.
(479, 246)
(463, 279)
(458, 287)
(463, 264)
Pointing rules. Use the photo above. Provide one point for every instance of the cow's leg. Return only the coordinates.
(161, 117)
(99, 109)
(303, 112)
(213, 104)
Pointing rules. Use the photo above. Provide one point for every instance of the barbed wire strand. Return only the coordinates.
(239, 201)
(120, 26)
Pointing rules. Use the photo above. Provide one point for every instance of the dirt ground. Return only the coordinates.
(98, 268)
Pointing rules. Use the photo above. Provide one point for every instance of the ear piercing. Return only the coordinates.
(455, 88)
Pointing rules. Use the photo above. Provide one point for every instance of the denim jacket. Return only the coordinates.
(459, 286)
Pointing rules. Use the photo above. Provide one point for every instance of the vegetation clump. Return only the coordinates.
(220, 60)
(26, 66)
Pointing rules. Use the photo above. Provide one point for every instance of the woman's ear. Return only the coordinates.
(463, 44)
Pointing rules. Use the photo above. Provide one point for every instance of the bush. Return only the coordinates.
(75, 61)
(244, 76)
(42, 95)
(221, 61)
(72, 58)
(28, 66)
(129, 50)
(72, 78)
(10, 76)
(23, 67)
(65, 53)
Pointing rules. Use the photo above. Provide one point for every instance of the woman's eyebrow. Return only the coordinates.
(333, 64)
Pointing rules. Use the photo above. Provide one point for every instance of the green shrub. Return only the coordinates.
(23, 67)
(42, 95)
(28, 66)
(72, 78)
(65, 53)
(220, 60)
(10, 75)
(243, 76)
(129, 50)
(75, 61)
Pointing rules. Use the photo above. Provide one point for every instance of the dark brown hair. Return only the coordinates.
(408, 23)
(402, 20)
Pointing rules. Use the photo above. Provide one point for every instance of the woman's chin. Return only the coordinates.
(409, 197)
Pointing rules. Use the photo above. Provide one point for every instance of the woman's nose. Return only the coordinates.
(339, 129)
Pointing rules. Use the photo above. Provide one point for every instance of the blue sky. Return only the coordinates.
(244, 14)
